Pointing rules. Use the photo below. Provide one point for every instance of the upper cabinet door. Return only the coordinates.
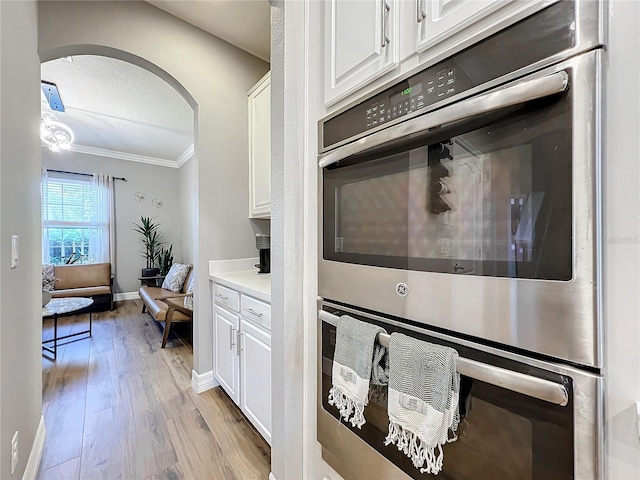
(260, 149)
(439, 19)
(361, 44)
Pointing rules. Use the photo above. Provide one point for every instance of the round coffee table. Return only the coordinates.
(60, 306)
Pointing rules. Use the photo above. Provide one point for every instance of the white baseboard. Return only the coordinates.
(33, 464)
(271, 477)
(119, 297)
(203, 382)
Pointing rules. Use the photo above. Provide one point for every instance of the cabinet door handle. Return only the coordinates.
(385, 23)
(253, 312)
(239, 347)
(421, 14)
(231, 342)
(219, 295)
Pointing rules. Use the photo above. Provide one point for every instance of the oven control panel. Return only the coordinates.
(419, 91)
(411, 98)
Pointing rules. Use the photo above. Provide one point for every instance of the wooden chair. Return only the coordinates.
(176, 304)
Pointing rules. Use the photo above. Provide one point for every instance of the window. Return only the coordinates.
(71, 229)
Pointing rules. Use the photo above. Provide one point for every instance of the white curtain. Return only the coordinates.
(44, 193)
(102, 239)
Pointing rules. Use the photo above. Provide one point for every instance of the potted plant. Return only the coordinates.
(165, 260)
(152, 243)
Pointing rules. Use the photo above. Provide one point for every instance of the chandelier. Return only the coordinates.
(55, 134)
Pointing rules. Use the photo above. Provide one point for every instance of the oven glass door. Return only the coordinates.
(489, 196)
(502, 434)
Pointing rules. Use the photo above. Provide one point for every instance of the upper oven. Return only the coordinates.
(466, 196)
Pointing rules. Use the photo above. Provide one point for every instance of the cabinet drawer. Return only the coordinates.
(226, 297)
(256, 311)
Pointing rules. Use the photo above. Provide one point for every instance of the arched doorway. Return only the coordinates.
(213, 77)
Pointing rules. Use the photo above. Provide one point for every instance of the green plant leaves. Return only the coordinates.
(151, 238)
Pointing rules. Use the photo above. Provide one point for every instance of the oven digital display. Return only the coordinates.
(405, 94)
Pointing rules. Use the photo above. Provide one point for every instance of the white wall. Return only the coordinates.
(155, 182)
(621, 171)
(214, 77)
(287, 216)
(20, 320)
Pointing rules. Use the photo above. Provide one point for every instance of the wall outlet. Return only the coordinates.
(14, 452)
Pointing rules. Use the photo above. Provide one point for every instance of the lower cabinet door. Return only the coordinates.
(255, 359)
(226, 361)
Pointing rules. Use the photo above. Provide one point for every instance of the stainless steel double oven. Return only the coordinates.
(461, 206)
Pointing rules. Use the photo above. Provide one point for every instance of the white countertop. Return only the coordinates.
(257, 285)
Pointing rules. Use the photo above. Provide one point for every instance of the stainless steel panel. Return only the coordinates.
(558, 319)
(494, 100)
(587, 406)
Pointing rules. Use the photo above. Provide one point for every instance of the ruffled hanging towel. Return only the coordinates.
(423, 399)
(356, 351)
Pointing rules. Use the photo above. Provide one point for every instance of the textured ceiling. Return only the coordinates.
(243, 23)
(118, 109)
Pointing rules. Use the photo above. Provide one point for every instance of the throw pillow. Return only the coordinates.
(48, 279)
(188, 301)
(174, 280)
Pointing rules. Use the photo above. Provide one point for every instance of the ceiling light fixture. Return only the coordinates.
(55, 134)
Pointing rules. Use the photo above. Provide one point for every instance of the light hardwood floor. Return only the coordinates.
(117, 406)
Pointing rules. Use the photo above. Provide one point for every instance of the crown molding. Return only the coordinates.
(102, 152)
(186, 155)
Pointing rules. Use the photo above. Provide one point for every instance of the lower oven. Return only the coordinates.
(522, 417)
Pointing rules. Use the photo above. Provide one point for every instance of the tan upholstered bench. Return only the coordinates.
(87, 280)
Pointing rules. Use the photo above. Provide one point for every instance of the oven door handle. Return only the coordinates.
(500, 377)
(488, 102)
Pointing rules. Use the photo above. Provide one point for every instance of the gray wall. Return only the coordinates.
(155, 182)
(214, 77)
(188, 198)
(20, 320)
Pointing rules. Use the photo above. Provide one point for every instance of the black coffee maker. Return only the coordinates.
(263, 243)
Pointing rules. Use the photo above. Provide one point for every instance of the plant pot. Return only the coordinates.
(150, 272)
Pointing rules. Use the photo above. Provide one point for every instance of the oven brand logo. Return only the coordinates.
(402, 289)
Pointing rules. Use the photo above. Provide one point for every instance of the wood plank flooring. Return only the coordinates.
(117, 406)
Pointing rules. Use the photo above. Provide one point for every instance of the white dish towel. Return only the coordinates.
(424, 391)
(352, 368)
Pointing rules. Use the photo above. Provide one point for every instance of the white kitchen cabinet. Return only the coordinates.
(255, 377)
(440, 19)
(226, 359)
(420, 32)
(361, 44)
(260, 148)
(242, 354)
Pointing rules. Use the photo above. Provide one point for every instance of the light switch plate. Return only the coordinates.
(14, 251)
